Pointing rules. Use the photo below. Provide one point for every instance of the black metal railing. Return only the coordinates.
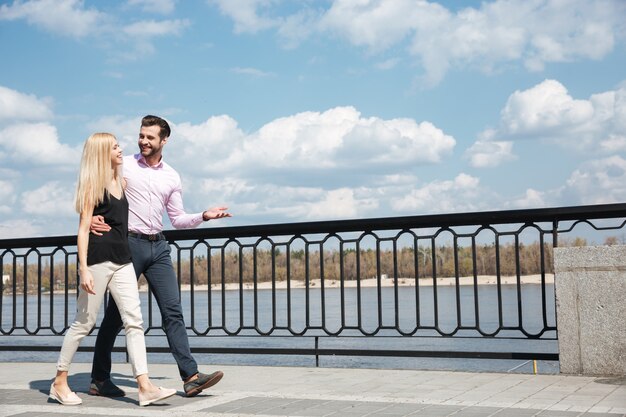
(469, 276)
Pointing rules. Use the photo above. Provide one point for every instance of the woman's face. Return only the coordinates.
(116, 155)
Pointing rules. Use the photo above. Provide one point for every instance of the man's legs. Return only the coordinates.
(163, 284)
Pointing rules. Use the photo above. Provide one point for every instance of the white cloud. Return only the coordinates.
(548, 112)
(337, 139)
(614, 144)
(303, 203)
(489, 153)
(598, 182)
(146, 29)
(19, 106)
(155, 6)
(71, 18)
(461, 194)
(207, 147)
(125, 130)
(529, 32)
(64, 17)
(252, 71)
(37, 143)
(14, 229)
(388, 64)
(546, 107)
(367, 23)
(244, 14)
(7, 196)
(340, 204)
(52, 199)
(531, 199)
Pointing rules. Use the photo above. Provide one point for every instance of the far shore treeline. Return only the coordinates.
(234, 266)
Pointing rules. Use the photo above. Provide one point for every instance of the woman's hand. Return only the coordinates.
(86, 282)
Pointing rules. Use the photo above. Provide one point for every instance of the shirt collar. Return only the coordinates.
(142, 160)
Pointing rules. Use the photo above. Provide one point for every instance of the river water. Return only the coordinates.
(248, 314)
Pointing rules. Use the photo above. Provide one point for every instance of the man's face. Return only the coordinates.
(150, 144)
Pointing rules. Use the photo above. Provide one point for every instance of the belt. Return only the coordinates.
(152, 238)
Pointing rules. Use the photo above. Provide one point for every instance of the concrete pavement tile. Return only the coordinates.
(601, 415)
(334, 405)
(477, 412)
(516, 412)
(599, 409)
(312, 412)
(557, 413)
(437, 410)
(402, 409)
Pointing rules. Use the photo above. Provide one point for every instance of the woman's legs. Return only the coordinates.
(87, 309)
(123, 289)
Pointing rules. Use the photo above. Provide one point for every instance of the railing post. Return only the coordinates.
(317, 356)
(590, 283)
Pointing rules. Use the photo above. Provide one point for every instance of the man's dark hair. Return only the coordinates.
(150, 120)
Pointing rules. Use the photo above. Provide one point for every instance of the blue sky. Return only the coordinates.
(291, 111)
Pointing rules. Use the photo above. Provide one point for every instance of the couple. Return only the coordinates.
(125, 213)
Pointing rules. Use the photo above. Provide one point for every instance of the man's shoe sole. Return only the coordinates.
(97, 394)
(208, 384)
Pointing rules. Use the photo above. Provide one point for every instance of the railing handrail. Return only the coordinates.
(554, 214)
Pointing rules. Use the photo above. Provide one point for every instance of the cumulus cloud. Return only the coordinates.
(15, 105)
(531, 199)
(547, 111)
(36, 143)
(598, 181)
(72, 18)
(7, 196)
(460, 194)
(299, 203)
(532, 33)
(489, 153)
(147, 29)
(245, 14)
(14, 229)
(155, 6)
(543, 109)
(64, 17)
(252, 71)
(341, 203)
(310, 165)
(367, 23)
(51, 199)
(337, 139)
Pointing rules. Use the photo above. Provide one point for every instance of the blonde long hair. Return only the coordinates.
(95, 171)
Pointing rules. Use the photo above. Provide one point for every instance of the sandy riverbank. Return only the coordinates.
(370, 282)
(373, 282)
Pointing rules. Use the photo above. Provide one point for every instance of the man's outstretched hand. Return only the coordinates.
(98, 225)
(214, 213)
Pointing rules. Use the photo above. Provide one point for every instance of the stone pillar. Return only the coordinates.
(590, 286)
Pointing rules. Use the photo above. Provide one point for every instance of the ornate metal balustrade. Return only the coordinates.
(465, 276)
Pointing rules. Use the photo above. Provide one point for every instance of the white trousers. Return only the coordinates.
(122, 284)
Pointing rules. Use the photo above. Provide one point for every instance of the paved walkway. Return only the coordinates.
(281, 391)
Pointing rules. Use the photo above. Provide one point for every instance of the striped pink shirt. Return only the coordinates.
(151, 191)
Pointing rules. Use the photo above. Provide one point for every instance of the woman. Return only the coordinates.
(105, 262)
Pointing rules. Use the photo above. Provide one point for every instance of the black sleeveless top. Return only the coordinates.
(112, 245)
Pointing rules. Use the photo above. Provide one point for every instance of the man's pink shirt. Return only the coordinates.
(151, 191)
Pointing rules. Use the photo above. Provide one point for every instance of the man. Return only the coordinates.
(152, 188)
